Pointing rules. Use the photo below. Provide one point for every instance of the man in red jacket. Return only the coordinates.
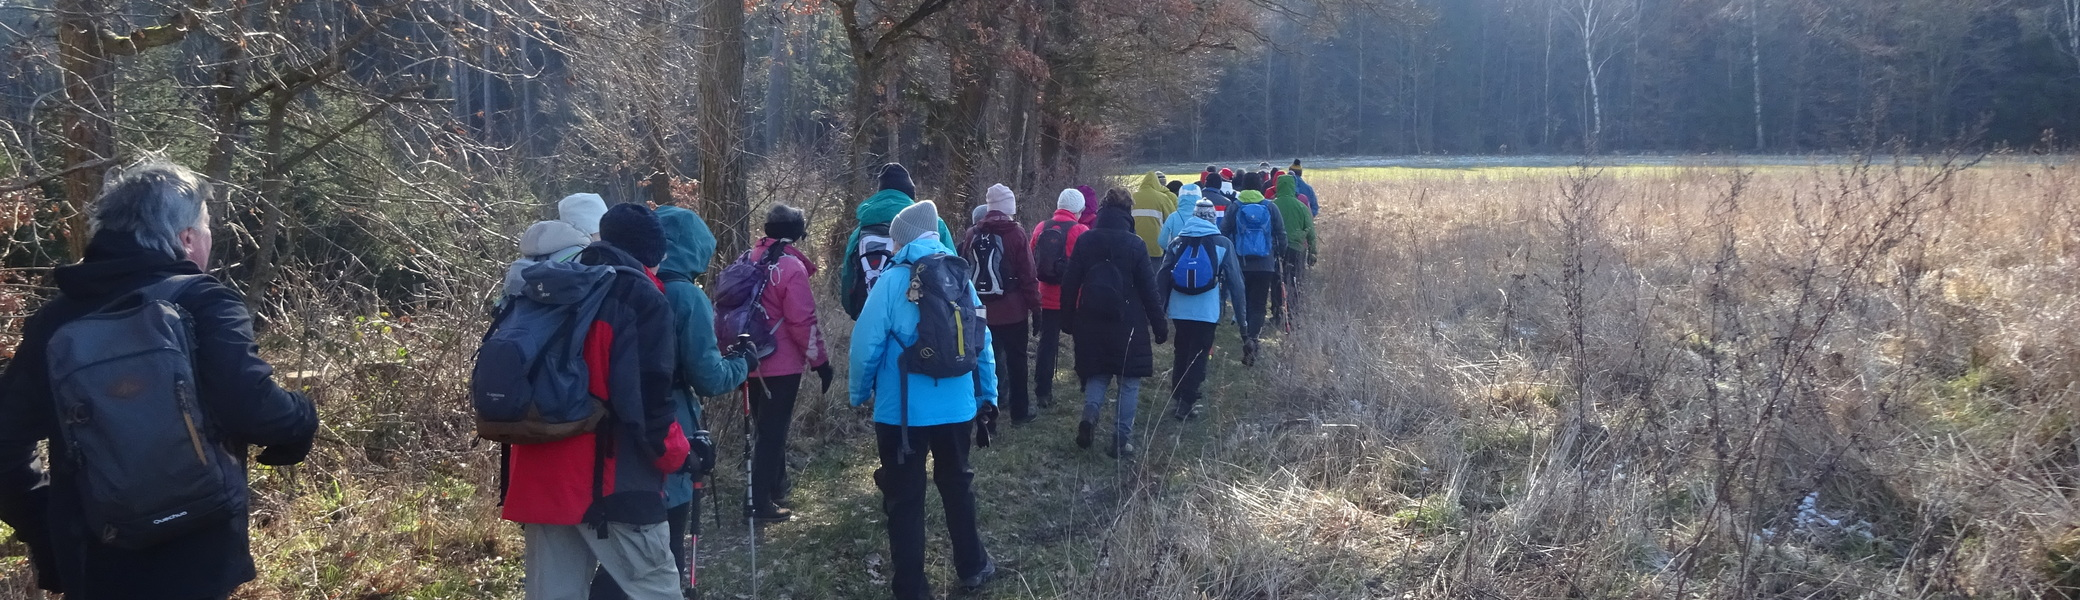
(1009, 308)
(1049, 265)
(596, 500)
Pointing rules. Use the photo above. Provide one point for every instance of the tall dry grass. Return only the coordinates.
(1852, 381)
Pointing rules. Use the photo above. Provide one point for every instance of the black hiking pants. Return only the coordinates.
(772, 409)
(1050, 348)
(1259, 287)
(1009, 342)
(902, 498)
(1194, 348)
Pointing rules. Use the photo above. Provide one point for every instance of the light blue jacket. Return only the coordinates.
(1203, 307)
(1187, 201)
(887, 324)
(689, 245)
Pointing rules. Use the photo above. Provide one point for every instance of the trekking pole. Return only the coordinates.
(750, 507)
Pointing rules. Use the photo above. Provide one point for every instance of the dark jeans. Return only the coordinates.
(680, 518)
(772, 408)
(1050, 347)
(1194, 348)
(1259, 288)
(902, 498)
(1009, 341)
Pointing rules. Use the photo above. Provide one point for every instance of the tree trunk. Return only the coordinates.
(1755, 66)
(721, 89)
(85, 116)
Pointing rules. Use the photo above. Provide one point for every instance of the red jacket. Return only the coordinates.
(629, 356)
(1050, 293)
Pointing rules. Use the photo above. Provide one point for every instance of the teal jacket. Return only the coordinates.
(886, 326)
(702, 371)
(877, 209)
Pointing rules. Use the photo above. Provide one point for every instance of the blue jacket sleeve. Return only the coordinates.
(1231, 281)
(699, 354)
(870, 337)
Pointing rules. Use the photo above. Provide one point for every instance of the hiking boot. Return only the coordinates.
(772, 514)
(1187, 412)
(1121, 449)
(989, 571)
(1021, 421)
(1083, 434)
(1249, 354)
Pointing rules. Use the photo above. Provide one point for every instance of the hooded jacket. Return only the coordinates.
(701, 370)
(1256, 264)
(791, 308)
(1152, 204)
(630, 358)
(1051, 293)
(1187, 201)
(1299, 222)
(1018, 261)
(237, 392)
(889, 324)
(877, 209)
(1089, 216)
(1228, 277)
(1114, 347)
(1314, 203)
(545, 241)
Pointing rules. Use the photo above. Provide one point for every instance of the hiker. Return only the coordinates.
(699, 370)
(1222, 193)
(1175, 186)
(582, 211)
(1090, 206)
(1306, 192)
(1300, 250)
(895, 351)
(789, 309)
(997, 248)
(868, 250)
(1116, 313)
(1199, 270)
(1152, 204)
(560, 240)
(1259, 235)
(1188, 198)
(1054, 241)
(1206, 176)
(573, 518)
(150, 236)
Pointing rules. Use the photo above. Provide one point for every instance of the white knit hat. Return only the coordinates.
(1070, 200)
(582, 210)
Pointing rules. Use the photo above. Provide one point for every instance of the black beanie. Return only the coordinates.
(631, 227)
(895, 177)
(786, 223)
(1175, 185)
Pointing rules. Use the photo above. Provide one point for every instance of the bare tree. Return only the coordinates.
(1596, 23)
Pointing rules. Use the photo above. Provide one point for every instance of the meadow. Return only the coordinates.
(1844, 381)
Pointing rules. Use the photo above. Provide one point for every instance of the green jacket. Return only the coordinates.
(1299, 220)
(877, 209)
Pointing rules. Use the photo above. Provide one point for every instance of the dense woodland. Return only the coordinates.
(389, 142)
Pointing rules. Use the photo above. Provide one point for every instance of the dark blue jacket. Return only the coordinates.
(238, 394)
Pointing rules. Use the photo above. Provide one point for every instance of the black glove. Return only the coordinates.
(700, 457)
(743, 350)
(825, 373)
(1162, 334)
(985, 425)
(282, 455)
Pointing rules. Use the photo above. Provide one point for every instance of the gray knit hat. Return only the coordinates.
(916, 221)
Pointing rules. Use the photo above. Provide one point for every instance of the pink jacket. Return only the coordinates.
(792, 306)
(1050, 293)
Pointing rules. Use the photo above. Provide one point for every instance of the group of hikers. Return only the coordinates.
(144, 377)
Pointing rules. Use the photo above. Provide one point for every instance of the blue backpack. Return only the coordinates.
(1253, 229)
(1196, 270)
(530, 384)
(138, 442)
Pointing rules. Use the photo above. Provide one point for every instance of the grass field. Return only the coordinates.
(1848, 381)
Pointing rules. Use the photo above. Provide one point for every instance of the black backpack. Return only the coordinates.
(1051, 251)
(530, 384)
(986, 253)
(1104, 293)
(950, 327)
(140, 446)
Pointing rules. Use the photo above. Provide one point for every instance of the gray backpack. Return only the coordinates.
(138, 440)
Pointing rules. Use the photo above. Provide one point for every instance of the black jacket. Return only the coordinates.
(1105, 347)
(238, 395)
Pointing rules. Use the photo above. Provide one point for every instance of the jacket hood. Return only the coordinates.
(1287, 188)
(1197, 227)
(113, 263)
(882, 207)
(920, 248)
(1250, 197)
(689, 244)
(1150, 183)
(1115, 217)
(1188, 198)
(548, 237)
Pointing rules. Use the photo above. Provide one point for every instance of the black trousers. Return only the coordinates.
(681, 520)
(1009, 341)
(772, 409)
(902, 498)
(1292, 266)
(1259, 288)
(1194, 348)
(1050, 348)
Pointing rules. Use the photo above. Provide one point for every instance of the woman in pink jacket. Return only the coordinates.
(1050, 264)
(798, 346)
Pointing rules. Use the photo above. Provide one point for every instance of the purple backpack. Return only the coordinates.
(740, 307)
